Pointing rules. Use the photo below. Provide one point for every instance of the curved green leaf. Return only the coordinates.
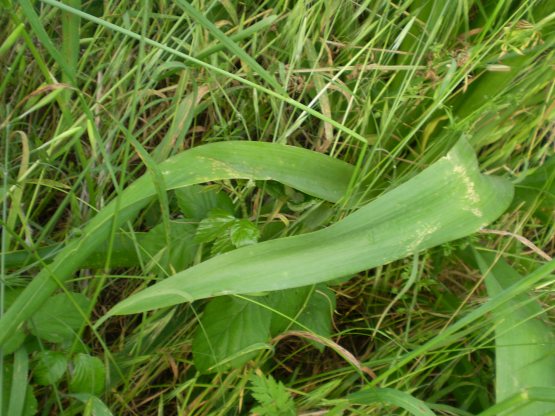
(60, 317)
(49, 367)
(524, 356)
(88, 375)
(448, 200)
(231, 332)
(393, 397)
(307, 171)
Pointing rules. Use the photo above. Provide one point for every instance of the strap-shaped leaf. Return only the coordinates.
(448, 200)
(313, 173)
(523, 341)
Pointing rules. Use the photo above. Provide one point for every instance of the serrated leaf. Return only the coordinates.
(447, 201)
(230, 332)
(87, 375)
(214, 226)
(195, 202)
(49, 367)
(222, 244)
(59, 317)
(273, 397)
(244, 233)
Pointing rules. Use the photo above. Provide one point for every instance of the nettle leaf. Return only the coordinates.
(230, 333)
(244, 233)
(215, 225)
(273, 397)
(226, 232)
(195, 202)
(49, 367)
(182, 248)
(87, 375)
(222, 244)
(59, 317)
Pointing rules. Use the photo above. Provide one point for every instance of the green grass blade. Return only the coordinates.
(520, 401)
(456, 331)
(230, 44)
(43, 37)
(70, 38)
(392, 397)
(18, 390)
(310, 172)
(243, 34)
(449, 200)
(190, 59)
(523, 341)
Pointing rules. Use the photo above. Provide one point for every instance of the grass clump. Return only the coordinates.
(276, 207)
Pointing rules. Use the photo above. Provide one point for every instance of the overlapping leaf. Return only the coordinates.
(524, 341)
(446, 201)
(310, 172)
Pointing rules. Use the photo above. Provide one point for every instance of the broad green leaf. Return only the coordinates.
(126, 248)
(523, 341)
(272, 396)
(93, 405)
(87, 374)
(182, 248)
(243, 233)
(10, 295)
(19, 383)
(290, 303)
(318, 314)
(215, 225)
(49, 367)
(519, 403)
(448, 200)
(310, 307)
(18, 398)
(59, 317)
(195, 202)
(538, 186)
(231, 332)
(222, 244)
(310, 172)
(391, 397)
